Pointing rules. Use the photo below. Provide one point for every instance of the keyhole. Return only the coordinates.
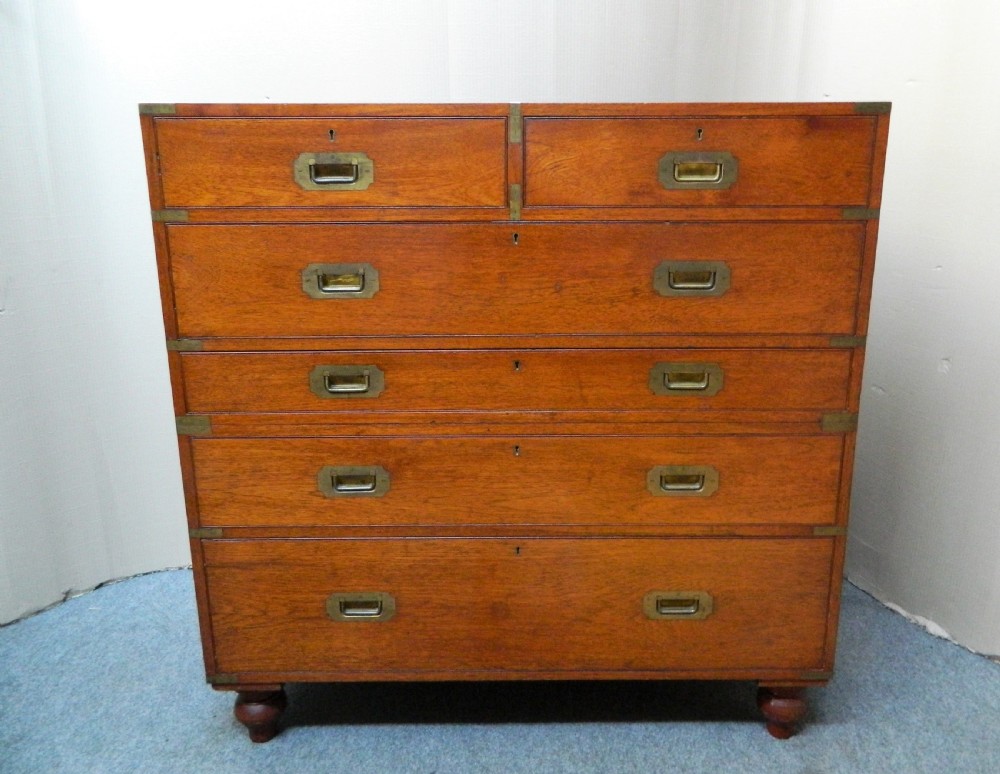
(516, 237)
(517, 451)
(517, 365)
(517, 550)
(333, 135)
(698, 134)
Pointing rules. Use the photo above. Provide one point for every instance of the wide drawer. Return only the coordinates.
(663, 162)
(333, 162)
(312, 280)
(512, 380)
(605, 480)
(363, 607)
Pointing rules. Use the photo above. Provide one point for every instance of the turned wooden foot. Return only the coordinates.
(783, 708)
(259, 711)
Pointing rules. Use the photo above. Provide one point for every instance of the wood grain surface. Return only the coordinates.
(510, 380)
(515, 480)
(819, 160)
(491, 279)
(547, 604)
(457, 162)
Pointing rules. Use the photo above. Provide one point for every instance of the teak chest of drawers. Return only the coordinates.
(516, 392)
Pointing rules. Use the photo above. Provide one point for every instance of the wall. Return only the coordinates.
(89, 485)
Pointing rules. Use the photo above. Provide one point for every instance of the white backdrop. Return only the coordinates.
(89, 482)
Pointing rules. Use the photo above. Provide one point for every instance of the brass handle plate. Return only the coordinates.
(678, 605)
(372, 606)
(691, 278)
(347, 381)
(340, 280)
(353, 480)
(686, 379)
(682, 480)
(333, 171)
(680, 171)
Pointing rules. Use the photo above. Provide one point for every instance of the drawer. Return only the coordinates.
(534, 480)
(511, 380)
(516, 279)
(430, 162)
(635, 162)
(431, 605)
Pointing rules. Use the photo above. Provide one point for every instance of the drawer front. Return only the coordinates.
(432, 162)
(515, 279)
(424, 605)
(491, 481)
(608, 162)
(511, 380)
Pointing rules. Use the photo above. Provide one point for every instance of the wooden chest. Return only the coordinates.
(516, 392)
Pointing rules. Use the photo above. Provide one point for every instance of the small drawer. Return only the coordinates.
(333, 162)
(361, 608)
(666, 162)
(515, 279)
(674, 480)
(511, 380)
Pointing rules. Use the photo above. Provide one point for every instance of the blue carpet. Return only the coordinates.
(111, 682)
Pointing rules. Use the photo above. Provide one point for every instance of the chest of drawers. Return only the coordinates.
(516, 392)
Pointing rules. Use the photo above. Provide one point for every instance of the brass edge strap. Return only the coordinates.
(166, 216)
(860, 213)
(839, 422)
(829, 530)
(872, 108)
(203, 533)
(157, 109)
(185, 345)
(515, 125)
(515, 201)
(848, 342)
(816, 675)
(194, 425)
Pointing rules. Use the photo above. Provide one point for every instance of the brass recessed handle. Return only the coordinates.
(682, 480)
(691, 278)
(340, 280)
(688, 379)
(677, 605)
(353, 480)
(685, 380)
(353, 483)
(338, 284)
(698, 170)
(685, 606)
(333, 171)
(697, 279)
(347, 381)
(361, 606)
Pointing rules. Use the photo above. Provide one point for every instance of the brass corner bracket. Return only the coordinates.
(860, 213)
(872, 108)
(839, 422)
(194, 425)
(169, 216)
(157, 109)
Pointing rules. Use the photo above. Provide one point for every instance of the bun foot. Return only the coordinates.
(783, 708)
(259, 711)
